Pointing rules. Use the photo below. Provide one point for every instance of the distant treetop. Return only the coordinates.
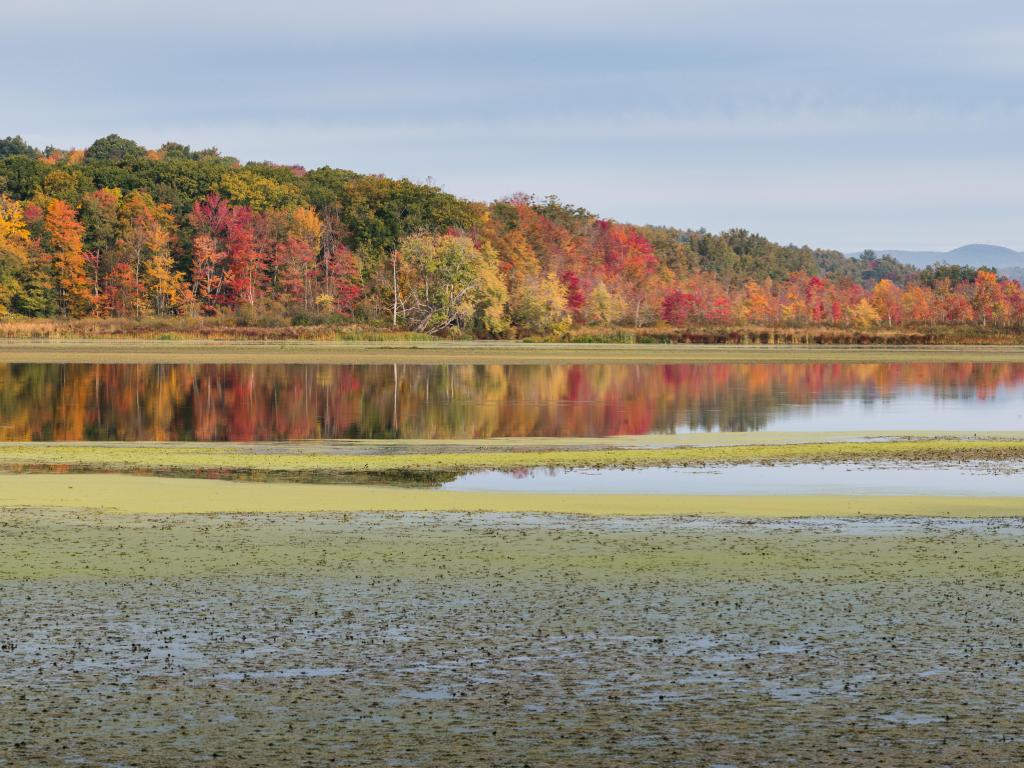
(15, 145)
(114, 148)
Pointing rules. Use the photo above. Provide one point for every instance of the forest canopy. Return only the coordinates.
(119, 230)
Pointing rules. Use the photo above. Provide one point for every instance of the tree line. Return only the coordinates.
(118, 230)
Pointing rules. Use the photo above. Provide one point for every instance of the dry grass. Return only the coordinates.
(225, 328)
(276, 328)
(130, 349)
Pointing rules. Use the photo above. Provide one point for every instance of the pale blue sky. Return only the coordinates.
(835, 123)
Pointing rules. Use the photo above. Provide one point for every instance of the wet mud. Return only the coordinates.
(491, 639)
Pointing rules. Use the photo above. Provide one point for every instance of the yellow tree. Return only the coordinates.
(602, 307)
(165, 287)
(145, 236)
(540, 307)
(886, 298)
(14, 242)
(863, 314)
(246, 187)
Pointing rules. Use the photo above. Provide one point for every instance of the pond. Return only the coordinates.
(253, 402)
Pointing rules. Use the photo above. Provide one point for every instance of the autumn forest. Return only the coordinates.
(121, 231)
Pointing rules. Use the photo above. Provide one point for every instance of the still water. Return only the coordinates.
(235, 402)
(962, 479)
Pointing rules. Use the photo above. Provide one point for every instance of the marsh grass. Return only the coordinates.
(222, 328)
(377, 347)
(427, 466)
(262, 326)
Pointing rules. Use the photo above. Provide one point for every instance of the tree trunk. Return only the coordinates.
(394, 288)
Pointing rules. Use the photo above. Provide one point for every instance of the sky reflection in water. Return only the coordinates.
(977, 479)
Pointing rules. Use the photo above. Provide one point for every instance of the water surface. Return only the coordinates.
(245, 402)
(964, 479)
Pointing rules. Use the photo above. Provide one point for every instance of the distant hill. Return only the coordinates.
(1014, 273)
(974, 255)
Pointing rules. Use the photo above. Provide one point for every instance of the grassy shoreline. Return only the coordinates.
(276, 327)
(326, 463)
(497, 352)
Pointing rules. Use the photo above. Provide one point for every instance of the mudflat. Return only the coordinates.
(427, 639)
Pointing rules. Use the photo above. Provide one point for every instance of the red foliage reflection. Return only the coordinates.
(293, 402)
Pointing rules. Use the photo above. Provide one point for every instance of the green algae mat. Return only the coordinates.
(493, 639)
(435, 461)
(131, 495)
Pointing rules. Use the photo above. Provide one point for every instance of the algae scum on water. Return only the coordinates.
(460, 639)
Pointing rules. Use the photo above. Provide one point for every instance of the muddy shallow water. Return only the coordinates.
(424, 639)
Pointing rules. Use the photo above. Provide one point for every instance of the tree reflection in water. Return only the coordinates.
(282, 402)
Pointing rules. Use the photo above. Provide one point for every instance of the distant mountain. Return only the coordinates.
(974, 255)
(1014, 273)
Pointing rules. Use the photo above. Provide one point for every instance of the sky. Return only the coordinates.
(849, 125)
